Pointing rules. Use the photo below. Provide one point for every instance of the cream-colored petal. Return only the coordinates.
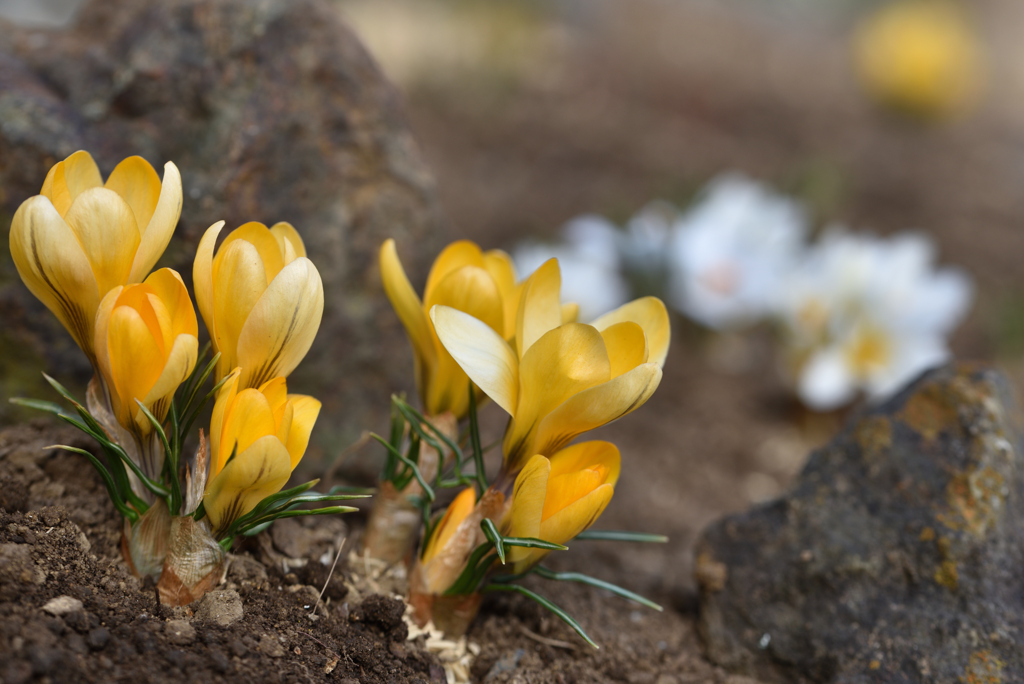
(53, 266)
(410, 311)
(305, 412)
(595, 453)
(254, 474)
(281, 327)
(69, 178)
(626, 345)
(525, 515)
(202, 283)
(457, 510)
(562, 363)
(288, 240)
(180, 362)
(135, 364)
(225, 399)
(137, 183)
(105, 227)
(482, 353)
(239, 282)
(170, 289)
(539, 306)
(596, 406)
(453, 257)
(156, 234)
(651, 315)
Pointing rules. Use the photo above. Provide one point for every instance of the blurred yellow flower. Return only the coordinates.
(556, 498)
(920, 57)
(261, 299)
(482, 284)
(80, 237)
(146, 345)
(257, 437)
(557, 380)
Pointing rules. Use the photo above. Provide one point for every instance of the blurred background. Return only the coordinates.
(531, 113)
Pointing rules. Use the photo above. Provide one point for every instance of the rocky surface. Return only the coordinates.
(897, 555)
(273, 111)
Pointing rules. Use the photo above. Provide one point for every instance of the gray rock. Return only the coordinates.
(272, 111)
(269, 646)
(179, 632)
(896, 557)
(220, 607)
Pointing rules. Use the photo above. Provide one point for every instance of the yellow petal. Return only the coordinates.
(202, 282)
(247, 419)
(501, 268)
(266, 244)
(457, 511)
(596, 406)
(253, 475)
(276, 392)
(410, 311)
(102, 323)
(525, 515)
(281, 326)
(179, 365)
(567, 488)
(588, 455)
(570, 312)
(453, 257)
(53, 266)
(472, 290)
(137, 183)
(239, 280)
(561, 364)
(105, 227)
(651, 315)
(157, 232)
(481, 353)
(225, 399)
(136, 363)
(564, 525)
(305, 412)
(288, 240)
(170, 289)
(539, 307)
(626, 345)
(69, 178)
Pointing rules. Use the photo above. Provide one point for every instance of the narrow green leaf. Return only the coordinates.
(594, 582)
(478, 452)
(619, 535)
(119, 504)
(534, 543)
(427, 489)
(40, 405)
(565, 617)
(495, 537)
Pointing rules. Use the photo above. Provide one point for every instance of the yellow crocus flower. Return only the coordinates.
(146, 345)
(557, 380)
(80, 237)
(267, 430)
(482, 284)
(261, 299)
(556, 498)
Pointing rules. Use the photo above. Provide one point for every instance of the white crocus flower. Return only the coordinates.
(865, 314)
(730, 252)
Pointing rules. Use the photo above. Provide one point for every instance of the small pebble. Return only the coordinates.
(62, 605)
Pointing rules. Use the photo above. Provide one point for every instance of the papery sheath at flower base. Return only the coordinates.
(80, 237)
(146, 343)
(261, 299)
(558, 380)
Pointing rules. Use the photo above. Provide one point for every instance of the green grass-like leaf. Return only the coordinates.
(594, 582)
(565, 617)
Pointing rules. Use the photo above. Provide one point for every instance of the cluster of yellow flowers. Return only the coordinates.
(555, 377)
(85, 248)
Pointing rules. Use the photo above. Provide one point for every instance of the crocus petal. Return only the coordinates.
(482, 353)
(225, 398)
(539, 306)
(170, 289)
(596, 406)
(409, 309)
(137, 183)
(825, 381)
(305, 412)
(562, 363)
(281, 326)
(472, 290)
(179, 365)
(157, 232)
(202, 281)
(564, 525)
(457, 511)
(69, 178)
(105, 227)
(136, 363)
(258, 472)
(452, 258)
(102, 323)
(626, 345)
(276, 392)
(500, 266)
(239, 281)
(265, 242)
(651, 315)
(247, 419)
(587, 455)
(289, 241)
(570, 312)
(53, 266)
(525, 515)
